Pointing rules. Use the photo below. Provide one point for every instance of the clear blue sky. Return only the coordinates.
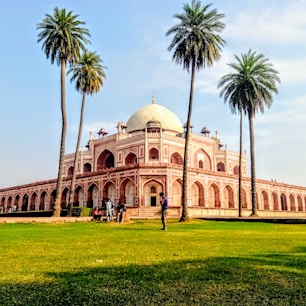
(130, 37)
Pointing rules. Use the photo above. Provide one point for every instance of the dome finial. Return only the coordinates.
(153, 98)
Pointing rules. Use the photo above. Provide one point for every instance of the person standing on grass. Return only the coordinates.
(109, 211)
(121, 211)
(164, 207)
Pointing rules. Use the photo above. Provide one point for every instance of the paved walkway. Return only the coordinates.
(43, 219)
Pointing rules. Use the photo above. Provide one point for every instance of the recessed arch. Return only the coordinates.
(9, 203)
(213, 196)
(265, 200)
(202, 160)
(283, 202)
(2, 208)
(300, 203)
(42, 201)
(105, 160)
(176, 158)
(292, 202)
(197, 194)
(70, 171)
(220, 167)
(33, 201)
(275, 201)
(229, 197)
(153, 154)
(109, 191)
(87, 168)
(127, 192)
(151, 192)
(65, 198)
(236, 170)
(78, 197)
(25, 201)
(177, 192)
(93, 196)
(131, 159)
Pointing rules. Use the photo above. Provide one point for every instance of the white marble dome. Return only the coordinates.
(156, 113)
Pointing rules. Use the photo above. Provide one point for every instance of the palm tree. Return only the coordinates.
(251, 88)
(62, 40)
(88, 74)
(232, 94)
(196, 44)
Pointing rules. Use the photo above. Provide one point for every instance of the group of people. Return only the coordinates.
(110, 212)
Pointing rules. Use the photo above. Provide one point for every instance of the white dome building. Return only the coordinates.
(144, 158)
(154, 113)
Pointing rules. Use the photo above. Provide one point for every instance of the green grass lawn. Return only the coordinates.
(195, 263)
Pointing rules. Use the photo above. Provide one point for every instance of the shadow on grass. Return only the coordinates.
(261, 280)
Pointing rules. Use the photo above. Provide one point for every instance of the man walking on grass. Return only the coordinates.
(164, 207)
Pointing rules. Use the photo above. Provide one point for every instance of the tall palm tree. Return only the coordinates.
(196, 44)
(88, 74)
(251, 88)
(232, 95)
(62, 40)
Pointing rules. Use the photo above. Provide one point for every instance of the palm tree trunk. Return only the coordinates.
(252, 153)
(184, 216)
(77, 149)
(240, 170)
(58, 200)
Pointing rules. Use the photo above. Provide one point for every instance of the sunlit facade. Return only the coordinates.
(145, 157)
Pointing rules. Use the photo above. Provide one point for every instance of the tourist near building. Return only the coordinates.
(145, 157)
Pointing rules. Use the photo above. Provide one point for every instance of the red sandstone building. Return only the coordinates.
(144, 158)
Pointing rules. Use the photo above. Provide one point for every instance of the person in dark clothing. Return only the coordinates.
(121, 211)
(164, 207)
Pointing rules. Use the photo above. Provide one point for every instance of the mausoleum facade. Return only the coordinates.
(145, 157)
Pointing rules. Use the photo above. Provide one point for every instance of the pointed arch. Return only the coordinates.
(2, 208)
(131, 159)
(16, 202)
(275, 201)
(292, 202)
(70, 171)
(202, 160)
(236, 170)
(33, 201)
(176, 158)
(197, 194)
(265, 200)
(177, 192)
(229, 197)
(127, 192)
(213, 196)
(87, 168)
(42, 201)
(300, 203)
(65, 198)
(78, 198)
(220, 167)
(283, 202)
(244, 202)
(105, 160)
(25, 201)
(151, 193)
(109, 191)
(154, 154)
(9, 203)
(93, 196)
